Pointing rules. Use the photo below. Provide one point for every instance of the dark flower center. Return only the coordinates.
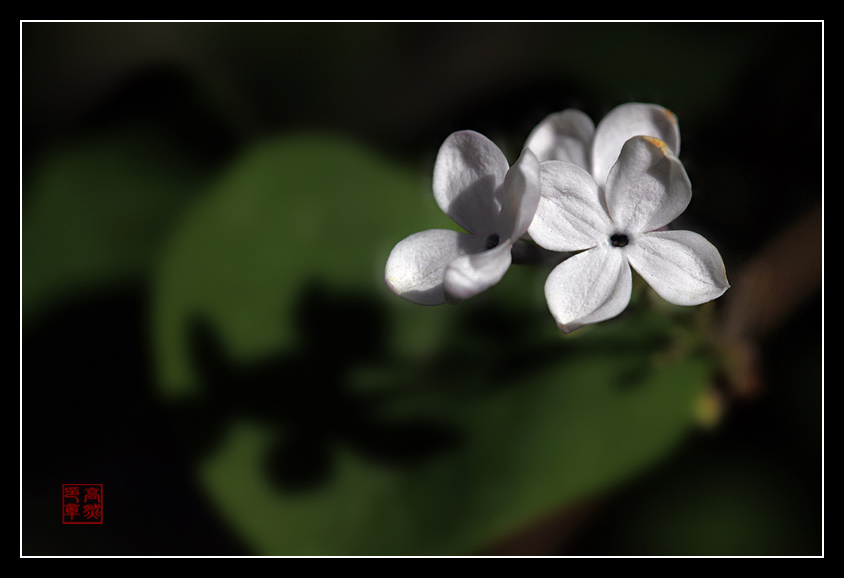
(619, 240)
(491, 241)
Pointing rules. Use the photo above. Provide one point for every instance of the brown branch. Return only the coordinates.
(768, 290)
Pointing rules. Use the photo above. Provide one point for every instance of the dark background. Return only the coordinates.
(749, 100)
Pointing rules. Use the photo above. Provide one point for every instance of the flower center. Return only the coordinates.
(619, 240)
(491, 242)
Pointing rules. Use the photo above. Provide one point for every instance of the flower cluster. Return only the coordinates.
(605, 194)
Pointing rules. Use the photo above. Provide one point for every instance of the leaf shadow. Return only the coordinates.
(306, 398)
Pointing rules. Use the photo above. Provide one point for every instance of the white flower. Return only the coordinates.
(615, 226)
(570, 135)
(474, 185)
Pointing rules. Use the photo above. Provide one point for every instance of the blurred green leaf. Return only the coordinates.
(95, 210)
(558, 436)
(290, 212)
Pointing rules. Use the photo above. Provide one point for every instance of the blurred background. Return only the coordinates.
(206, 211)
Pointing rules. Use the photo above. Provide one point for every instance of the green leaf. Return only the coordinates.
(290, 213)
(567, 433)
(95, 210)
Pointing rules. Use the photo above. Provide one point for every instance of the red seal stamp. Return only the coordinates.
(82, 503)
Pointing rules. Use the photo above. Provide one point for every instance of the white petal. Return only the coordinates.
(518, 196)
(468, 170)
(563, 136)
(624, 122)
(569, 216)
(681, 266)
(590, 287)
(648, 187)
(470, 274)
(416, 265)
